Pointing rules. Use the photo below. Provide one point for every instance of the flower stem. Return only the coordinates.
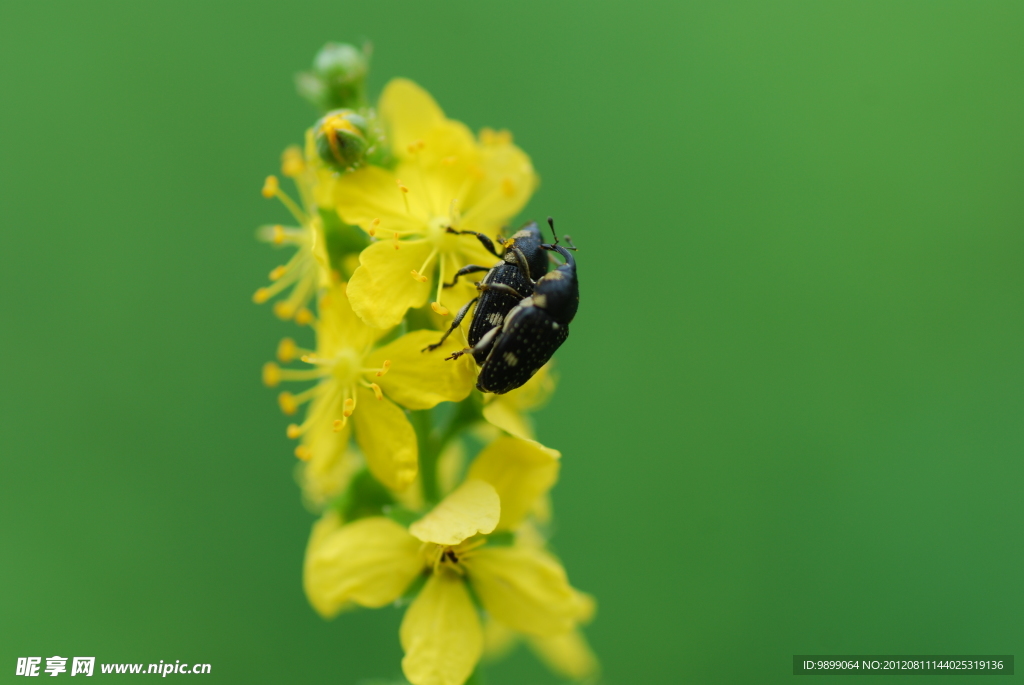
(430, 450)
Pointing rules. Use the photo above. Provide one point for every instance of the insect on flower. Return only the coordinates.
(522, 261)
(535, 327)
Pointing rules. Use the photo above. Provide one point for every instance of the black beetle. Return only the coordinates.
(537, 326)
(523, 261)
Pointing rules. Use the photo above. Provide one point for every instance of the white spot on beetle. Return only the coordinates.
(495, 318)
(511, 359)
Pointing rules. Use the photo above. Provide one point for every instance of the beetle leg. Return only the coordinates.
(465, 271)
(501, 288)
(521, 262)
(484, 240)
(455, 324)
(484, 343)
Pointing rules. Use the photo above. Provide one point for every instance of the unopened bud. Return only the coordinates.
(341, 139)
(338, 77)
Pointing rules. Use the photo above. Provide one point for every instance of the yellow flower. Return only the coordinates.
(355, 380)
(443, 178)
(371, 562)
(308, 268)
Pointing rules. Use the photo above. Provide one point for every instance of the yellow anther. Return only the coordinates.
(508, 243)
(402, 187)
(286, 350)
(487, 135)
(418, 276)
(376, 391)
(303, 317)
(373, 227)
(439, 308)
(278, 272)
(287, 402)
(416, 146)
(261, 295)
(293, 431)
(278, 235)
(450, 161)
(339, 424)
(271, 374)
(384, 367)
(508, 187)
(292, 163)
(396, 240)
(270, 186)
(303, 452)
(348, 407)
(283, 310)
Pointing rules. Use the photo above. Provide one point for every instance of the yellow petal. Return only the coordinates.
(506, 184)
(369, 562)
(441, 633)
(568, 655)
(521, 471)
(471, 508)
(505, 416)
(525, 589)
(330, 466)
(444, 164)
(387, 439)
(410, 113)
(339, 327)
(420, 380)
(373, 193)
(382, 289)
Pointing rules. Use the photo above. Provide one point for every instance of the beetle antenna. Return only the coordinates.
(551, 223)
(568, 239)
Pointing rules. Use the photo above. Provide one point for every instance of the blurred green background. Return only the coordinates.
(791, 409)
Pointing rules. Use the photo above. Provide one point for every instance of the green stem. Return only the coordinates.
(432, 440)
(430, 451)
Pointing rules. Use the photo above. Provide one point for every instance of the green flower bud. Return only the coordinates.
(340, 138)
(338, 78)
